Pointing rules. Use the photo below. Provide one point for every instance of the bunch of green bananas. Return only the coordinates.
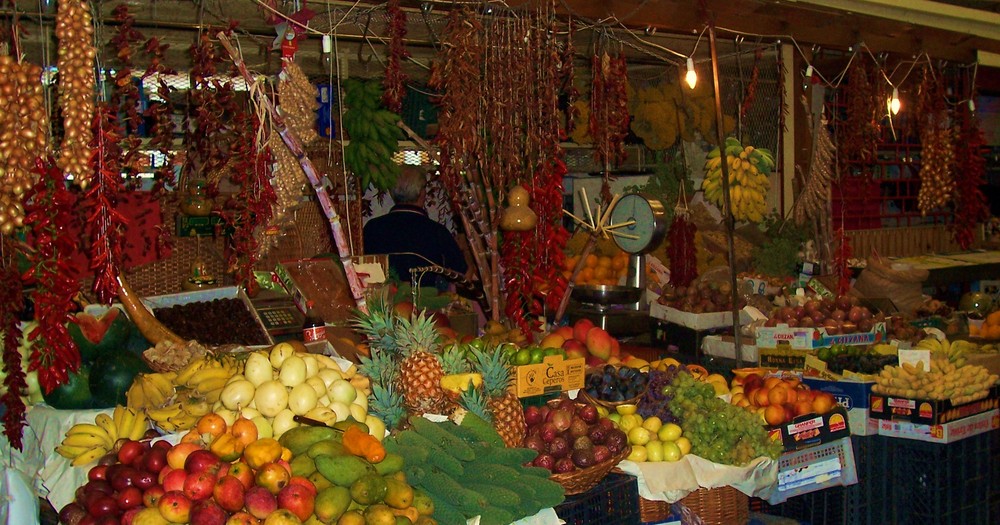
(749, 171)
(374, 135)
(87, 442)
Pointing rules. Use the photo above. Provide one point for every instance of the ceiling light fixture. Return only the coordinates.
(691, 77)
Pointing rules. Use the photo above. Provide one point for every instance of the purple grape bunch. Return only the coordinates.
(655, 402)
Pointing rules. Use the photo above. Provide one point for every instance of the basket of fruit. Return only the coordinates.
(610, 386)
(577, 445)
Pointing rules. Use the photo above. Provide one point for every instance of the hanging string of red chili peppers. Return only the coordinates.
(125, 95)
(51, 213)
(971, 206)
(11, 303)
(159, 113)
(609, 119)
(859, 133)
(394, 83)
(751, 90)
(841, 261)
(106, 224)
(210, 100)
(681, 250)
(568, 73)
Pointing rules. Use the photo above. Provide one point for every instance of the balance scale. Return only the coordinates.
(637, 225)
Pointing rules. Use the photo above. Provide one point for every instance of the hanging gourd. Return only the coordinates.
(517, 216)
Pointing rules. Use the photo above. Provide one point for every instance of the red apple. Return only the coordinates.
(177, 456)
(228, 493)
(260, 502)
(175, 507)
(174, 481)
(129, 515)
(155, 460)
(208, 512)
(121, 477)
(199, 486)
(151, 497)
(242, 472)
(297, 499)
(97, 472)
(131, 451)
(102, 505)
(129, 497)
(574, 349)
(163, 445)
(143, 479)
(305, 483)
(242, 518)
(202, 461)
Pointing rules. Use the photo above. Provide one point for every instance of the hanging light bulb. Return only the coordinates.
(972, 105)
(809, 71)
(894, 101)
(691, 77)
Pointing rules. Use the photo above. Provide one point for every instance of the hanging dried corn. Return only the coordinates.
(814, 199)
(937, 155)
(75, 62)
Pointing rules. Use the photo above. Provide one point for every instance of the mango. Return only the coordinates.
(369, 489)
(398, 494)
(331, 503)
(342, 470)
(328, 447)
(299, 439)
(391, 464)
(302, 465)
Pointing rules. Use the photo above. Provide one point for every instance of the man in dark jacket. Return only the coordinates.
(408, 235)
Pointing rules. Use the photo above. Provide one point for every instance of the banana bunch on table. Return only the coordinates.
(87, 442)
(175, 401)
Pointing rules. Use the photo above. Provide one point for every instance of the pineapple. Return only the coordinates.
(508, 416)
(420, 370)
(378, 325)
(387, 405)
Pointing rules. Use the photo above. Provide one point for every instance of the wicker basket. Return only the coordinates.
(582, 480)
(718, 506)
(653, 511)
(610, 405)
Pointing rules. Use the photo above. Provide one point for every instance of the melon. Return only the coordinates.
(74, 394)
(112, 375)
(96, 336)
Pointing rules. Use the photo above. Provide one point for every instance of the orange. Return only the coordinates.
(602, 272)
(774, 414)
(823, 403)
(993, 318)
(586, 273)
(778, 395)
(761, 396)
(619, 263)
(244, 430)
(771, 382)
(803, 407)
(993, 332)
(570, 262)
(591, 260)
(604, 261)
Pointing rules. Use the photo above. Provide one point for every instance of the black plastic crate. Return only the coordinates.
(941, 483)
(864, 503)
(614, 501)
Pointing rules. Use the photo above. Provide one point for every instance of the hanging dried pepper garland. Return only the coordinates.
(11, 303)
(125, 94)
(937, 154)
(859, 133)
(842, 262)
(51, 213)
(568, 73)
(751, 90)
(395, 79)
(107, 225)
(971, 206)
(609, 119)
(160, 114)
(75, 63)
(210, 100)
(681, 249)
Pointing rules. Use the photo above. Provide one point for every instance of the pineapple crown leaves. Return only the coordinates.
(454, 360)
(473, 401)
(378, 324)
(387, 405)
(493, 363)
(381, 367)
(418, 334)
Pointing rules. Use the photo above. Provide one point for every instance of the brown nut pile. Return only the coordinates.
(23, 136)
(75, 31)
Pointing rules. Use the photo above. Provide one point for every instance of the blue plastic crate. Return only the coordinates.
(614, 501)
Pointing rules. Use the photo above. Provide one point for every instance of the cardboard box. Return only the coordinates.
(809, 338)
(812, 429)
(783, 357)
(210, 294)
(854, 396)
(944, 433)
(929, 411)
(694, 321)
(553, 375)
(319, 280)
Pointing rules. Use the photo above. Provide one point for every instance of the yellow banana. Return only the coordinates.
(196, 409)
(87, 439)
(69, 452)
(163, 413)
(126, 423)
(162, 383)
(183, 421)
(135, 397)
(139, 426)
(184, 375)
(211, 384)
(108, 425)
(89, 456)
(208, 373)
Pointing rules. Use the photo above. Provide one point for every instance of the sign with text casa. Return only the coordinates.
(552, 375)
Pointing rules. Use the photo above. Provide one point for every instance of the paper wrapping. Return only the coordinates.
(672, 481)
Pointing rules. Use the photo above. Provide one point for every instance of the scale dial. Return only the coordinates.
(649, 223)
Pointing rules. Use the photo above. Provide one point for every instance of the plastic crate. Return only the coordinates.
(995, 475)
(614, 501)
(863, 503)
(941, 483)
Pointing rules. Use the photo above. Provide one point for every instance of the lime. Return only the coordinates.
(551, 351)
(638, 454)
(537, 355)
(654, 451)
(684, 444)
(669, 432)
(522, 357)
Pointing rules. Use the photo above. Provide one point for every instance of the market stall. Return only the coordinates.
(670, 269)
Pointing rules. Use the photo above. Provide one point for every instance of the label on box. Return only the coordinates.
(552, 375)
(808, 338)
(929, 411)
(782, 357)
(942, 433)
(820, 288)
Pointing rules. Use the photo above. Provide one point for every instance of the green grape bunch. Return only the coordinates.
(718, 431)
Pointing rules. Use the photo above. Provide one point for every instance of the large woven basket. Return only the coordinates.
(718, 506)
(582, 480)
(653, 511)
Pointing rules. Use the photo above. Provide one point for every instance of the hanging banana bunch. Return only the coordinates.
(749, 179)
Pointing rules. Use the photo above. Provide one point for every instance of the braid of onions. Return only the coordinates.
(718, 431)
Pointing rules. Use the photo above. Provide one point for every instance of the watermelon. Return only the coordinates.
(112, 375)
(97, 336)
(74, 394)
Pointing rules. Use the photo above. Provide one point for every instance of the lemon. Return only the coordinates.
(628, 422)
(626, 409)
(654, 451)
(684, 445)
(669, 432)
(671, 452)
(638, 454)
(652, 424)
(602, 411)
(638, 436)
